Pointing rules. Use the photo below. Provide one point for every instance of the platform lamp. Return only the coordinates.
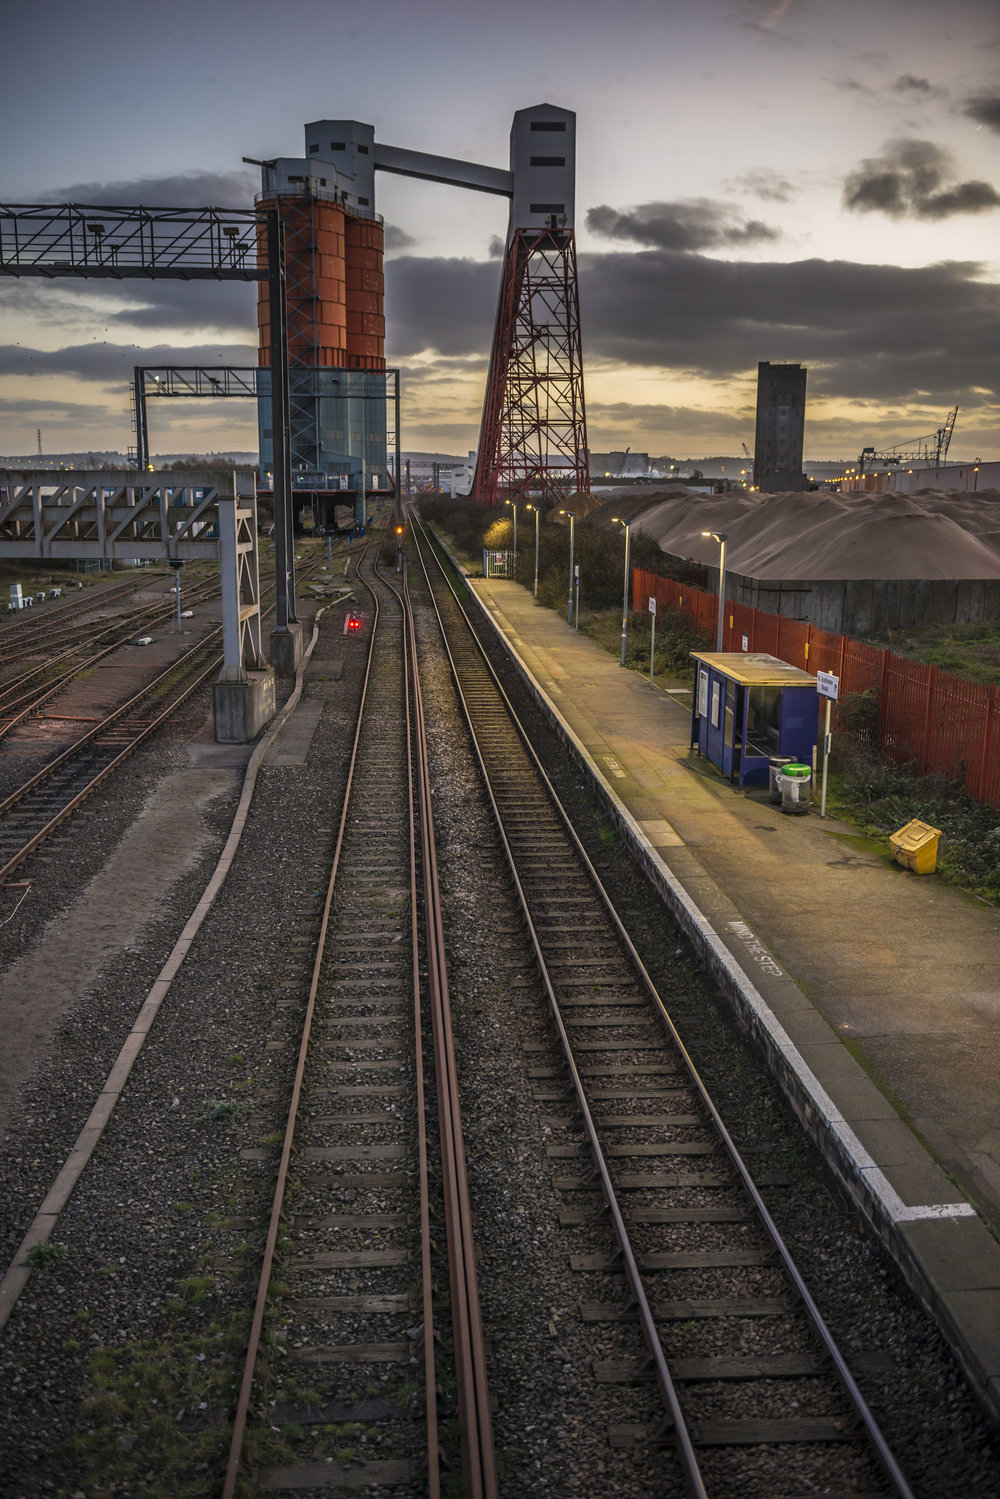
(538, 510)
(721, 537)
(572, 531)
(513, 505)
(617, 521)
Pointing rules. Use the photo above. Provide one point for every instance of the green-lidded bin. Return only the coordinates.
(796, 788)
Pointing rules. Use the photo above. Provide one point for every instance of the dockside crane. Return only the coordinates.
(925, 450)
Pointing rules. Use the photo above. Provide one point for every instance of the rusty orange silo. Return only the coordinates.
(365, 294)
(315, 284)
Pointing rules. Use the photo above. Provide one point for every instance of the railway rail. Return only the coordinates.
(23, 695)
(22, 626)
(355, 1145)
(40, 804)
(736, 1350)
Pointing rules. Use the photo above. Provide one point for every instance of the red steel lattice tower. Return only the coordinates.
(534, 420)
(534, 416)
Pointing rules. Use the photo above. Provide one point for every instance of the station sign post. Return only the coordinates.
(652, 637)
(827, 686)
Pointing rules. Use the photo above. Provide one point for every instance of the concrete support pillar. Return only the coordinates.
(286, 648)
(241, 709)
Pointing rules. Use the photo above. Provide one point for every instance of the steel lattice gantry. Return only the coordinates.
(185, 244)
(534, 419)
(188, 244)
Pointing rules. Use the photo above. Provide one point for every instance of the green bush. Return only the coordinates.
(881, 798)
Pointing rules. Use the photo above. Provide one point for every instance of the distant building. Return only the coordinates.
(781, 416)
(619, 465)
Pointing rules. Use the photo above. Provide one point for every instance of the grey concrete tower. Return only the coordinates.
(781, 416)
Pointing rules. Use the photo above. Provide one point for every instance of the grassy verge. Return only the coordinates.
(879, 799)
(971, 651)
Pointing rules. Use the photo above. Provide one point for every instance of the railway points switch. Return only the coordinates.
(915, 846)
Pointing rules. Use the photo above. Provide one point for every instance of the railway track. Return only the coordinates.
(353, 1261)
(24, 694)
(41, 803)
(738, 1375)
(21, 629)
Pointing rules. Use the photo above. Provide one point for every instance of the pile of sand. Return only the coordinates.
(927, 534)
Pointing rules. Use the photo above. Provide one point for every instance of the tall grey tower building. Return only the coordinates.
(781, 416)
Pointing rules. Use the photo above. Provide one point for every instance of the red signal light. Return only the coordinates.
(354, 622)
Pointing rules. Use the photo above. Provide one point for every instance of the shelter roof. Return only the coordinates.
(756, 669)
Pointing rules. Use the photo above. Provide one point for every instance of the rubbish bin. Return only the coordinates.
(775, 765)
(915, 846)
(796, 786)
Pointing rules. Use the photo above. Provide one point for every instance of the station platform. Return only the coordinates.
(874, 991)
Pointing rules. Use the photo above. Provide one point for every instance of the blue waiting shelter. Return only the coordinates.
(749, 707)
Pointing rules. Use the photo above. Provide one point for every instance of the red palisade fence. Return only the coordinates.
(928, 719)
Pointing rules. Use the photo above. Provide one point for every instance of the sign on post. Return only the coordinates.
(652, 638)
(828, 686)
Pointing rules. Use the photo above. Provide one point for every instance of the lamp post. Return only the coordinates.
(572, 529)
(537, 511)
(513, 505)
(721, 537)
(627, 524)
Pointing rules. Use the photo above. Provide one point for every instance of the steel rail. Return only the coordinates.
(856, 1399)
(671, 1401)
(478, 1452)
(277, 1207)
(102, 775)
(26, 624)
(92, 785)
(43, 634)
(21, 708)
(427, 1300)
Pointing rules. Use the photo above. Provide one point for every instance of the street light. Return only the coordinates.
(513, 504)
(617, 522)
(572, 531)
(537, 511)
(721, 537)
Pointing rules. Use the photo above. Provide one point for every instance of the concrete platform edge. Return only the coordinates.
(917, 1247)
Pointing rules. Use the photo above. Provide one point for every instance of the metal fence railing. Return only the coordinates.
(921, 717)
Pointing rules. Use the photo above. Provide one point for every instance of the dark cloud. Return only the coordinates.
(108, 363)
(40, 407)
(172, 190)
(226, 307)
(906, 83)
(497, 247)
(984, 109)
(697, 224)
(766, 185)
(397, 239)
(907, 181)
(440, 304)
(885, 333)
(650, 422)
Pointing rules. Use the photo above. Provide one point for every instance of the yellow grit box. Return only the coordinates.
(915, 846)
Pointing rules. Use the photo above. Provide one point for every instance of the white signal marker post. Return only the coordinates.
(652, 638)
(827, 686)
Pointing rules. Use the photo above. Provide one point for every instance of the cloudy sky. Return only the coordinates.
(794, 180)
